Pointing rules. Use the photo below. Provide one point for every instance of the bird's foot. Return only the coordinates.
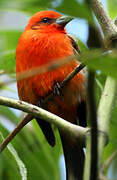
(57, 90)
(40, 103)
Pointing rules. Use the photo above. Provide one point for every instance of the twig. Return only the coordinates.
(72, 130)
(102, 177)
(99, 84)
(65, 81)
(107, 163)
(15, 131)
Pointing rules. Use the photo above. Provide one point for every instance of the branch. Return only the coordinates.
(107, 163)
(95, 40)
(104, 113)
(72, 130)
(107, 25)
(65, 81)
(94, 129)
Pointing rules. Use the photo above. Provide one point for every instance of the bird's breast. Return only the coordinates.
(36, 50)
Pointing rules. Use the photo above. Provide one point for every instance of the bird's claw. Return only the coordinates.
(58, 90)
(40, 103)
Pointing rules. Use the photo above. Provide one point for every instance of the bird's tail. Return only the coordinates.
(47, 131)
(74, 160)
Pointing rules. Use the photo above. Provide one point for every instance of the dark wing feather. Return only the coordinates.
(82, 107)
(74, 44)
(47, 131)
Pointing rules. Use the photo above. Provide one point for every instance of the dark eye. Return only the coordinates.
(45, 20)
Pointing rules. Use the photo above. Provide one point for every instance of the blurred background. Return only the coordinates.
(29, 156)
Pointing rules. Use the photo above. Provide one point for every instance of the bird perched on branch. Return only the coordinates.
(43, 41)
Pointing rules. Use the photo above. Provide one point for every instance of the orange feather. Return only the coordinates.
(41, 43)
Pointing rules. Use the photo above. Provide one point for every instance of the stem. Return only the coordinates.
(104, 113)
(26, 120)
(91, 169)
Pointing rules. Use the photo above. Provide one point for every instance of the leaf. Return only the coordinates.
(10, 38)
(81, 45)
(9, 114)
(7, 57)
(7, 62)
(19, 162)
(74, 8)
(40, 159)
(112, 146)
(105, 62)
(112, 8)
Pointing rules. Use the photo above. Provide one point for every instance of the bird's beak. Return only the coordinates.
(63, 20)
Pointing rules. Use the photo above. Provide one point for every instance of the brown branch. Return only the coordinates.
(65, 81)
(107, 163)
(72, 130)
(107, 25)
(26, 120)
(94, 128)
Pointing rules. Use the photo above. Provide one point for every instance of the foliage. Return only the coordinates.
(29, 153)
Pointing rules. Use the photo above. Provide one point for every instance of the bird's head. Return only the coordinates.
(48, 21)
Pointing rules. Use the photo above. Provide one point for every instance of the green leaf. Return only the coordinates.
(112, 146)
(9, 114)
(112, 8)
(81, 45)
(7, 62)
(22, 168)
(97, 60)
(20, 164)
(10, 38)
(7, 57)
(40, 159)
(74, 8)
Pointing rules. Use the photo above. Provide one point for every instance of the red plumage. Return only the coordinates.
(42, 43)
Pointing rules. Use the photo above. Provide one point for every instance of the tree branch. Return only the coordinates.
(104, 114)
(72, 130)
(107, 25)
(108, 161)
(94, 128)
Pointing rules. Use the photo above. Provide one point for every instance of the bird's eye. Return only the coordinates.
(45, 20)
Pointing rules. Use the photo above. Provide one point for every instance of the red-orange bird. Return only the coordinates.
(44, 40)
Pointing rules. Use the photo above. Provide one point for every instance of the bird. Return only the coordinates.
(43, 41)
